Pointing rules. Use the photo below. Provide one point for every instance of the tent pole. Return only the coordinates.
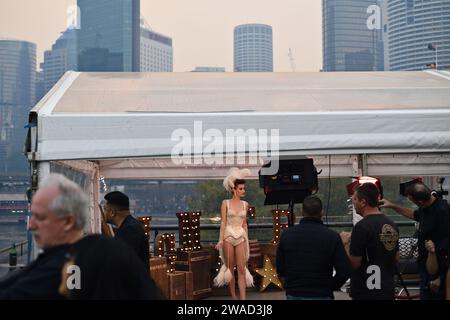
(362, 165)
(359, 169)
(41, 171)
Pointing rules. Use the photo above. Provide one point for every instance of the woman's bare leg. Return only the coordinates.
(228, 251)
(241, 262)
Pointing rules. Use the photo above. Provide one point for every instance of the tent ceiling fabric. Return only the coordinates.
(341, 166)
(98, 116)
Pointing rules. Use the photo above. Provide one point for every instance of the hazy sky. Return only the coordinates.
(202, 30)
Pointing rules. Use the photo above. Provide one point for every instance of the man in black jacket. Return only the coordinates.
(307, 254)
(131, 231)
(59, 212)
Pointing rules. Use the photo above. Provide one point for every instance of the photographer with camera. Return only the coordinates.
(433, 215)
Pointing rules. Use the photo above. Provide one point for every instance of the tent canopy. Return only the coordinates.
(132, 123)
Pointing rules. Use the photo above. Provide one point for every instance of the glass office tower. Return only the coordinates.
(410, 27)
(17, 97)
(253, 48)
(348, 43)
(109, 35)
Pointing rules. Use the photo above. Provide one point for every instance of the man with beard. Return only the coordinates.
(131, 231)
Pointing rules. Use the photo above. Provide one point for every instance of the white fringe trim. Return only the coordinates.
(248, 278)
(224, 277)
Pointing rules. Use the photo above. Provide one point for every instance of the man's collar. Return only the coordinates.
(55, 249)
(311, 220)
(123, 221)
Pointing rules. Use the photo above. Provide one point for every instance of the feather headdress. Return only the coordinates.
(233, 175)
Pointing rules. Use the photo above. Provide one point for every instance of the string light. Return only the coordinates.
(146, 223)
(268, 276)
(278, 227)
(188, 228)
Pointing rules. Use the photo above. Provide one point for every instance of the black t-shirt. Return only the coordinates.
(434, 224)
(375, 239)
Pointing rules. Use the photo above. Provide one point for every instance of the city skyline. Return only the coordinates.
(295, 25)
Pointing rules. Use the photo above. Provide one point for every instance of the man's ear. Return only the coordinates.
(69, 222)
(363, 202)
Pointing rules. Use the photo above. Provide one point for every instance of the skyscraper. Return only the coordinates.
(253, 48)
(410, 27)
(348, 43)
(109, 37)
(17, 96)
(156, 52)
(61, 58)
(40, 85)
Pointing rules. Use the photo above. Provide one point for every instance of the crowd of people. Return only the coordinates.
(313, 260)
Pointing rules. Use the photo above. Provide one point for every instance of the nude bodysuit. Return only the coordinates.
(234, 231)
(234, 234)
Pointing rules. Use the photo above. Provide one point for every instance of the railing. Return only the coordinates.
(20, 244)
(252, 226)
(262, 226)
(171, 227)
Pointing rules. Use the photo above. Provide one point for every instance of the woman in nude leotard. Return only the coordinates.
(233, 241)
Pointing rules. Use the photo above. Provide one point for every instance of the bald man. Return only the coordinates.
(59, 212)
(433, 215)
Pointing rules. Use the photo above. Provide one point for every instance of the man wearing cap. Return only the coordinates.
(131, 231)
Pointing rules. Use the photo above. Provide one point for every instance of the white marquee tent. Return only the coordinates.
(129, 125)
